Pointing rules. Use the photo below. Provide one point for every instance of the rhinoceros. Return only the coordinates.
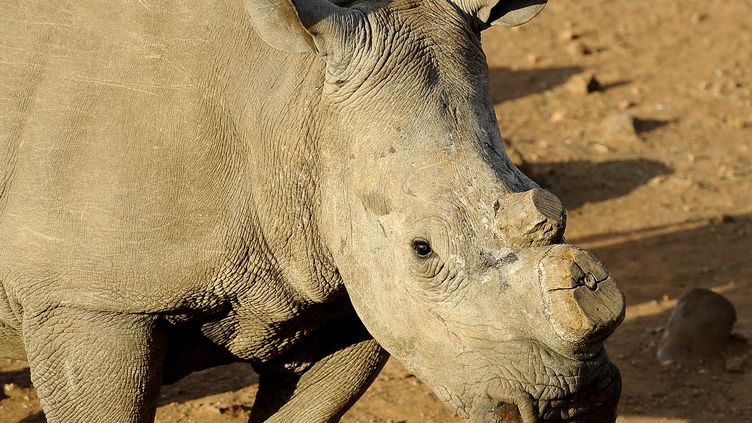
(305, 186)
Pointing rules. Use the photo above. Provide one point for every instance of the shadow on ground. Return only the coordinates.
(19, 378)
(202, 384)
(36, 418)
(579, 182)
(643, 126)
(220, 379)
(506, 84)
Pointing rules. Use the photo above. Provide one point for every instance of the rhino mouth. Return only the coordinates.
(504, 412)
(593, 398)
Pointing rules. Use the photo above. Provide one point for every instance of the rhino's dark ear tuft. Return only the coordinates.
(295, 26)
(507, 12)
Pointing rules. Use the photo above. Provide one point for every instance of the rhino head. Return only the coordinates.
(453, 259)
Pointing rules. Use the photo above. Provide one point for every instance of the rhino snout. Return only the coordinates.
(580, 298)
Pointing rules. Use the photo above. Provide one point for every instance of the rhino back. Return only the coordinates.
(125, 181)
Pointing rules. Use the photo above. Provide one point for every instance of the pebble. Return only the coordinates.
(625, 104)
(557, 116)
(721, 219)
(577, 48)
(619, 127)
(657, 180)
(600, 148)
(568, 35)
(698, 17)
(9, 388)
(736, 364)
(726, 171)
(212, 408)
(582, 84)
(736, 122)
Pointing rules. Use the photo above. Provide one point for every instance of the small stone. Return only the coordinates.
(8, 388)
(736, 122)
(657, 180)
(568, 35)
(577, 48)
(533, 58)
(557, 116)
(726, 171)
(717, 89)
(600, 148)
(691, 158)
(625, 104)
(732, 85)
(212, 408)
(721, 219)
(698, 17)
(619, 126)
(583, 84)
(736, 364)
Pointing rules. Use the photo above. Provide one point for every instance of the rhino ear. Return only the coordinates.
(295, 26)
(507, 12)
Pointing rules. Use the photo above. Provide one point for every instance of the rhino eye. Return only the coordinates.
(422, 248)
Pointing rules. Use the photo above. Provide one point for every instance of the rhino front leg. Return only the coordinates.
(329, 387)
(94, 367)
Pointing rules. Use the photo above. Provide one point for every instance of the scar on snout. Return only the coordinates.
(377, 203)
(491, 261)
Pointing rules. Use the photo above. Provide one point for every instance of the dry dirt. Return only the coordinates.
(655, 168)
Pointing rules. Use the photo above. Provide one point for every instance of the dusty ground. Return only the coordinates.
(656, 169)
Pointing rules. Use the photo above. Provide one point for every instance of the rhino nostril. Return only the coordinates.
(591, 282)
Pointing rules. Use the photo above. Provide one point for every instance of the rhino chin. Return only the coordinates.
(593, 401)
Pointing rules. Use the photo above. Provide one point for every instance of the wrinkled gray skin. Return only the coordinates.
(190, 183)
